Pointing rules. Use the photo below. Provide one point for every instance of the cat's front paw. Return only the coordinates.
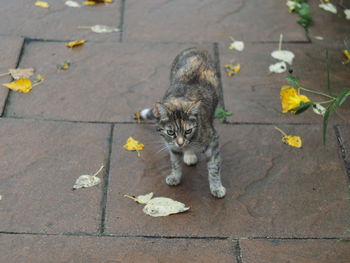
(190, 158)
(218, 191)
(172, 180)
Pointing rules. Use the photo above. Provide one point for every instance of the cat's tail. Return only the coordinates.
(145, 114)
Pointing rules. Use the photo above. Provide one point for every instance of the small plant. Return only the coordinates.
(296, 103)
(221, 114)
(303, 10)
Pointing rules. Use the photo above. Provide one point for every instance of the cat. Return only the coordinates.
(185, 116)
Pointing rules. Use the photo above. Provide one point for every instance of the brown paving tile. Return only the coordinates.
(26, 248)
(210, 20)
(40, 162)
(273, 189)
(295, 251)
(10, 49)
(59, 21)
(106, 82)
(328, 25)
(345, 137)
(253, 94)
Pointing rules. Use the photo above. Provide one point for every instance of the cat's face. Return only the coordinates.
(176, 126)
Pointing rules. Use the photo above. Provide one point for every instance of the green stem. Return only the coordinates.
(317, 92)
(325, 102)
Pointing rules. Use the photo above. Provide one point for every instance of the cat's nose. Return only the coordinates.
(180, 141)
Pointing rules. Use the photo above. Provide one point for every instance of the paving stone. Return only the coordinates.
(106, 81)
(209, 21)
(272, 189)
(345, 137)
(40, 162)
(10, 49)
(294, 251)
(253, 94)
(84, 249)
(58, 22)
(330, 26)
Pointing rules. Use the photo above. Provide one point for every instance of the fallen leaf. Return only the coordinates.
(319, 109)
(100, 28)
(278, 67)
(23, 85)
(75, 43)
(319, 37)
(20, 73)
(232, 70)
(64, 66)
(138, 116)
(37, 79)
(292, 5)
(133, 145)
(237, 45)
(347, 13)
(291, 140)
(94, 2)
(0, 197)
(87, 180)
(283, 55)
(72, 4)
(141, 199)
(346, 53)
(159, 206)
(328, 7)
(42, 4)
(291, 99)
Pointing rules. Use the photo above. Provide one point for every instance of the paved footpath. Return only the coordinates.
(283, 204)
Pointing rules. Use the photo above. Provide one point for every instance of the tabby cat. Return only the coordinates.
(185, 116)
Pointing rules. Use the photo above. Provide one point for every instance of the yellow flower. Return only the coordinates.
(291, 99)
(347, 56)
(133, 145)
(232, 70)
(294, 141)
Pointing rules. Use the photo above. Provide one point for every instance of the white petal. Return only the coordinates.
(72, 4)
(103, 29)
(284, 55)
(278, 67)
(237, 45)
(347, 13)
(86, 180)
(328, 7)
(319, 109)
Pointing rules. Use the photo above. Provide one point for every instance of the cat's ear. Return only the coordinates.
(159, 111)
(194, 108)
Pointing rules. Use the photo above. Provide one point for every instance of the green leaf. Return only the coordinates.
(331, 108)
(221, 114)
(303, 107)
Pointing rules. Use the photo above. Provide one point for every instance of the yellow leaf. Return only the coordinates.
(290, 99)
(133, 145)
(347, 56)
(232, 70)
(75, 43)
(21, 85)
(64, 66)
(294, 141)
(94, 2)
(42, 4)
(89, 3)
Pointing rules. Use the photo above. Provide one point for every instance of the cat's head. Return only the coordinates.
(177, 123)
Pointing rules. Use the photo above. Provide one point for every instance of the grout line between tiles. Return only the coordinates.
(9, 93)
(121, 22)
(106, 183)
(342, 150)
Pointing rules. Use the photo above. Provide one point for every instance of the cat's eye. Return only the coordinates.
(188, 131)
(170, 132)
